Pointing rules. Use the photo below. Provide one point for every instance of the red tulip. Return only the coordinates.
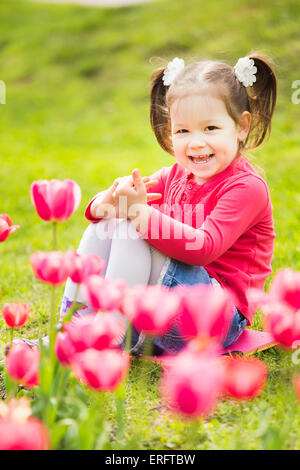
(296, 383)
(94, 331)
(64, 348)
(285, 287)
(84, 266)
(282, 322)
(193, 383)
(55, 201)
(151, 309)
(103, 294)
(101, 370)
(19, 431)
(15, 314)
(206, 312)
(53, 267)
(244, 378)
(22, 363)
(6, 227)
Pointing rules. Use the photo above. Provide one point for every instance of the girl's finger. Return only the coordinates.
(153, 196)
(137, 180)
(151, 183)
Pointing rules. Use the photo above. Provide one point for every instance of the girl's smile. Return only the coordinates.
(205, 138)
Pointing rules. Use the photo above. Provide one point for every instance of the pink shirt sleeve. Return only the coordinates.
(239, 207)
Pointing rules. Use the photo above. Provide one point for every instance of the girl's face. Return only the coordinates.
(205, 138)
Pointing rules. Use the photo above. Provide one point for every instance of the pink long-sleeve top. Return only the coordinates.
(225, 225)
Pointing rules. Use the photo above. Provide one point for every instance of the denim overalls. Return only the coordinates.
(177, 273)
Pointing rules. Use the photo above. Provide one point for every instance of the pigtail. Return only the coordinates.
(159, 116)
(262, 99)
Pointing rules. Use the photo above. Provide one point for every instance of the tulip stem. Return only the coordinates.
(128, 337)
(54, 236)
(11, 336)
(52, 318)
(148, 346)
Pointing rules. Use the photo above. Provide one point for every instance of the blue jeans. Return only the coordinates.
(176, 273)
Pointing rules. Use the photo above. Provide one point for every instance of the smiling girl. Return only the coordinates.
(207, 218)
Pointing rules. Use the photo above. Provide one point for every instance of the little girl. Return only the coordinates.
(208, 217)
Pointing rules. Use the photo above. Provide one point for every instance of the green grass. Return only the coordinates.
(77, 106)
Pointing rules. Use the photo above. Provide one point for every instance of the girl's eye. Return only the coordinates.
(211, 128)
(181, 131)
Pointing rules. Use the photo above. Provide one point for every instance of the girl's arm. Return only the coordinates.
(238, 209)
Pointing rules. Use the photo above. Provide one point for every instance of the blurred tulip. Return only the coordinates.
(19, 431)
(22, 364)
(6, 227)
(84, 266)
(193, 383)
(283, 323)
(206, 312)
(285, 287)
(52, 267)
(64, 348)
(244, 378)
(101, 370)
(103, 294)
(151, 309)
(93, 331)
(55, 201)
(15, 314)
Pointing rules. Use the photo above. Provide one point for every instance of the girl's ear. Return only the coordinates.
(243, 126)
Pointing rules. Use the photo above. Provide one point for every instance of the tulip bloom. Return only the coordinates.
(101, 370)
(84, 266)
(151, 309)
(15, 314)
(22, 364)
(285, 287)
(244, 378)
(19, 431)
(206, 312)
(92, 331)
(283, 323)
(55, 201)
(103, 294)
(51, 267)
(64, 348)
(193, 383)
(6, 227)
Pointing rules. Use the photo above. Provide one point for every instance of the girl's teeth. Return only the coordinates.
(202, 159)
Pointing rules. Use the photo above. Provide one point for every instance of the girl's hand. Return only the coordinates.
(107, 205)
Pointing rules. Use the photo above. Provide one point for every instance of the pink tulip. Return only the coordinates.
(55, 201)
(6, 227)
(206, 312)
(193, 383)
(64, 348)
(101, 370)
(283, 323)
(53, 267)
(296, 384)
(151, 309)
(95, 331)
(15, 314)
(285, 287)
(19, 431)
(244, 378)
(22, 363)
(103, 294)
(84, 266)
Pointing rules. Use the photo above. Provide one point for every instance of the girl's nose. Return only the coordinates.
(197, 141)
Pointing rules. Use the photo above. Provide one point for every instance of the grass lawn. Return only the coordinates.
(77, 99)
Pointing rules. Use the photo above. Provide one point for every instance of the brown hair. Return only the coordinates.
(259, 99)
